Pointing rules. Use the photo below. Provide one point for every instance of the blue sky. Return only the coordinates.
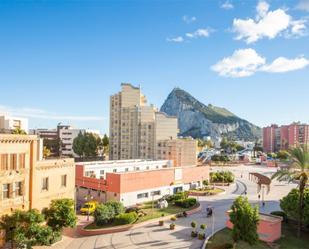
(61, 60)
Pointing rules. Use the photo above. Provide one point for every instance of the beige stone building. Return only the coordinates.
(136, 130)
(28, 181)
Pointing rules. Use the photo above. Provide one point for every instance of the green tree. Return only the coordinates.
(245, 220)
(298, 171)
(53, 145)
(46, 152)
(105, 142)
(79, 144)
(90, 146)
(117, 206)
(61, 214)
(103, 214)
(19, 131)
(289, 204)
(26, 228)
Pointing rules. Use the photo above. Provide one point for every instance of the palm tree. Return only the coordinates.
(298, 170)
(19, 131)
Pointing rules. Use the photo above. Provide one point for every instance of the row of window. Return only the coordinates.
(12, 190)
(146, 195)
(12, 161)
(45, 182)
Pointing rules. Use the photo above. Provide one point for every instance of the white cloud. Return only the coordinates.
(282, 64)
(177, 39)
(42, 114)
(267, 24)
(189, 19)
(198, 33)
(227, 5)
(246, 62)
(242, 63)
(303, 5)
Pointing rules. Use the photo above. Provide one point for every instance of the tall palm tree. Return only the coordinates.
(298, 170)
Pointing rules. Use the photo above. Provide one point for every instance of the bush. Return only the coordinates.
(186, 203)
(103, 214)
(173, 218)
(201, 236)
(203, 226)
(289, 205)
(172, 226)
(281, 214)
(178, 196)
(222, 176)
(193, 224)
(193, 234)
(117, 206)
(125, 218)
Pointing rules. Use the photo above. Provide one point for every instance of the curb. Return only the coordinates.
(89, 232)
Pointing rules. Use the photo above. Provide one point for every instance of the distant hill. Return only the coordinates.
(198, 120)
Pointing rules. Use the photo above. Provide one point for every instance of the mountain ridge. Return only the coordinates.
(199, 120)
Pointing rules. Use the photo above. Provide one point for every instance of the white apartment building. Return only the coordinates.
(12, 123)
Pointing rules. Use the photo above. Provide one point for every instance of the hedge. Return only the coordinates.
(186, 203)
(125, 218)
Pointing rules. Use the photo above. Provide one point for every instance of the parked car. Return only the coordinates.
(89, 207)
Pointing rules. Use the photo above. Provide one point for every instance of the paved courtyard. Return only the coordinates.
(153, 236)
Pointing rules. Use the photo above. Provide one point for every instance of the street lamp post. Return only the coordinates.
(88, 197)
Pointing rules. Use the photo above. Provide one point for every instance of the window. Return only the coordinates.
(157, 192)
(45, 183)
(13, 161)
(5, 191)
(143, 195)
(114, 170)
(63, 180)
(147, 167)
(137, 168)
(126, 169)
(18, 189)
(4, 162)
(89, 173)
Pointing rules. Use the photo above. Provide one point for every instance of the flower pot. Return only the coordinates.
(161, 223)
(172, 226)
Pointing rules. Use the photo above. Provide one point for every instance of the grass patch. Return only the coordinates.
(150, 214)
(225, 236)
(289, 240)
(208, 191)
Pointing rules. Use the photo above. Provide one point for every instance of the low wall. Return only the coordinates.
(116, 229)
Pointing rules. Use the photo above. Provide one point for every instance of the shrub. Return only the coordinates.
(193, 234)
(172, 226)
(173, 218)
(193, 224)
(222, 176)
(125, 218)
(289, 204)
(117, 206)
(186, 203)
(178, 196)
(281, 214)
(201, 236)
(203, 226)
(103, 214)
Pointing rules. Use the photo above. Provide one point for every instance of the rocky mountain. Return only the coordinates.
(198, 120)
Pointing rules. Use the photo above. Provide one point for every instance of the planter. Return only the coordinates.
(201, 236)
(193, 234)
(172, 226)
(161, 223)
